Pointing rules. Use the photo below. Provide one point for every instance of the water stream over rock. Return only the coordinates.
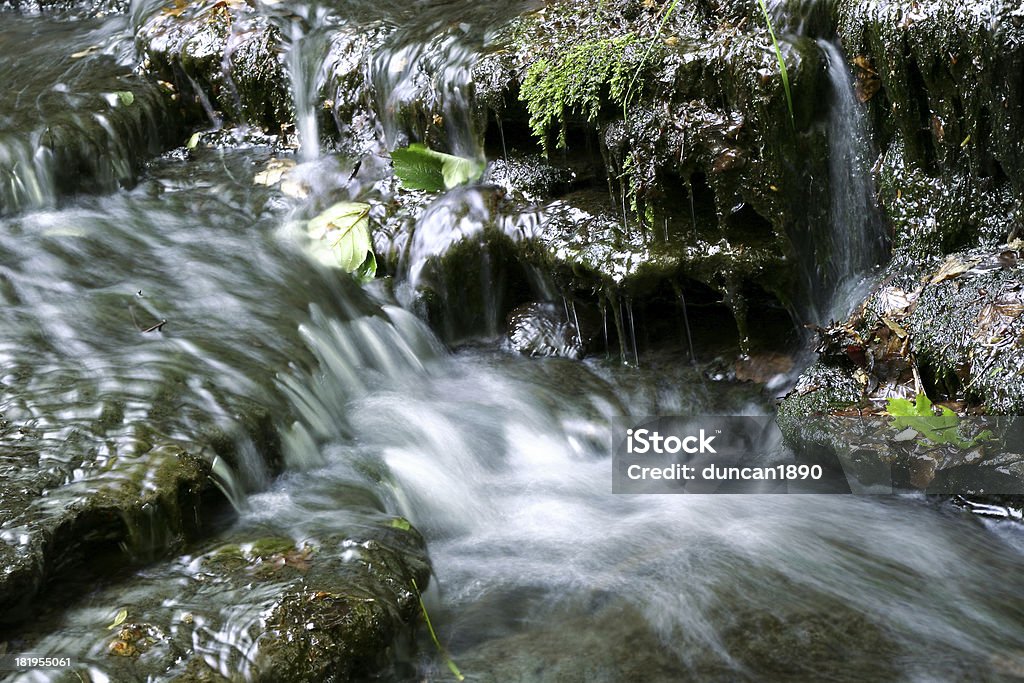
(169, 347)
(858, 238)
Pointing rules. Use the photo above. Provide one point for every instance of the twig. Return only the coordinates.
(158, 327)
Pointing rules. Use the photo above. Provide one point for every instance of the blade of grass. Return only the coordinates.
(433, 636)
(780, 60)
(629, 90)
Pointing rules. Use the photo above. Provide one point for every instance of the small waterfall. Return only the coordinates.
(457, 250)
(855, 242)
(307, 46)
(414, 80)
(26, 174)
(857, 237)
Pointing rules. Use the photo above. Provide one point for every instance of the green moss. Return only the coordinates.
(266, 547)
(575, 82)
(823, 388)
(111, 416)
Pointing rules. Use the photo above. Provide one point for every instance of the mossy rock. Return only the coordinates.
(694, 137)
(954, 324)
(946, 118)
(138, 508)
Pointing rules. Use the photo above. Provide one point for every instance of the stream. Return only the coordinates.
(182, 300)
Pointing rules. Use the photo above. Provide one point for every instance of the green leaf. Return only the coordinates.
(901, 407)
(459, 171)
(920, 417)
(126, 97)
(401, 523)
(119, 619)
(421, 168)
(341, 239)
(418, 169)
(193, 141)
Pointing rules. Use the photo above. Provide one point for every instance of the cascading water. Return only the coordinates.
(502, 462)
(307, 48)
(73, 118)
(857, 238)
(855, 242)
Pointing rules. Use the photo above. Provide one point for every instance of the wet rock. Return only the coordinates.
(825, 387)
(335, 608)
(701, 186)
(950, 330)
(530, 176)
(587, 246)
(373, 79)
(93, 482)
(224, 58)
(950, 173)
(66, 8)
(53, 522)
(339, 606)
(698, 189)
(74, 119)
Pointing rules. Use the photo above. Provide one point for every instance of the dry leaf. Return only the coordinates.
(86, 52)
(274, 172)
(895, 327)
(953, 267)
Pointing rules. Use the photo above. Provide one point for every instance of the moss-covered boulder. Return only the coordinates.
(58, 518)
(92, 481)
(950, 331)
(330, 610)
(951, 328)
(686, 115)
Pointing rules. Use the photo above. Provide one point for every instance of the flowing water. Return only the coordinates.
(848, 253)
(540, 572)
(858, 239)
(72, 99)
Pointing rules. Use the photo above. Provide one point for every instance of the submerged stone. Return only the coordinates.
(56, 520)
